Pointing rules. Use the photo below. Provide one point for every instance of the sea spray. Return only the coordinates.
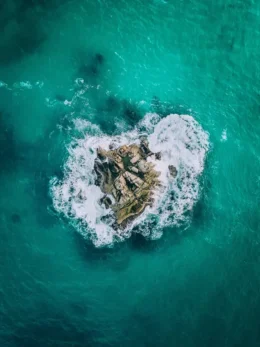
(182, 143)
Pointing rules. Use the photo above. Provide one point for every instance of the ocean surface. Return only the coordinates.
(75, 74)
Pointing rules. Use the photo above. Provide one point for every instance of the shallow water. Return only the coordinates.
(110, 63)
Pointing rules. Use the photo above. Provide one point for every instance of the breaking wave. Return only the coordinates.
(182, 142)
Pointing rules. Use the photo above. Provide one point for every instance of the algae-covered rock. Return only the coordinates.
(127, 179)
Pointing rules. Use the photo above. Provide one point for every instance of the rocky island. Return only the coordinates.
(127, 179)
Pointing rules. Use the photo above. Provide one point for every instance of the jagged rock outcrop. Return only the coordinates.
(172, 170)
(127, 179)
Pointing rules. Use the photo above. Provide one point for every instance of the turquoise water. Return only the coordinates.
(197, 285)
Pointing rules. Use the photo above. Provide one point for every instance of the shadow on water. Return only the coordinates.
(109, 113)
(140, 243)
(131, 113)
(112, 104)
(90, 65)
(172, 236)
(115, 111)
(116, 258)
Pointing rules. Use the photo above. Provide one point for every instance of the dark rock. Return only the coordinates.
(144, 145)
(158, 156)
(112, 146)
(108, 219)
(130, 112)
(106, 201)
(173, 171)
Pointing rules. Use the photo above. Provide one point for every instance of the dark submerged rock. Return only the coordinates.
(164, 108)
(99, 58)
(60, 97)
(158, 156)
(16, 218)
(90, 67)
(130, 113)
(112, 104)
(106, 201)
(173, 171)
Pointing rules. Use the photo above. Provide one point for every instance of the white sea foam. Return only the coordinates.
(182, 142)
(224, 136)
(23, 85)
(3, 84)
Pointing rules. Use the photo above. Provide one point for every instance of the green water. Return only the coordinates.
(197, 285)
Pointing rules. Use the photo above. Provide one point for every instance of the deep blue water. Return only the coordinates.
(110, 62)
